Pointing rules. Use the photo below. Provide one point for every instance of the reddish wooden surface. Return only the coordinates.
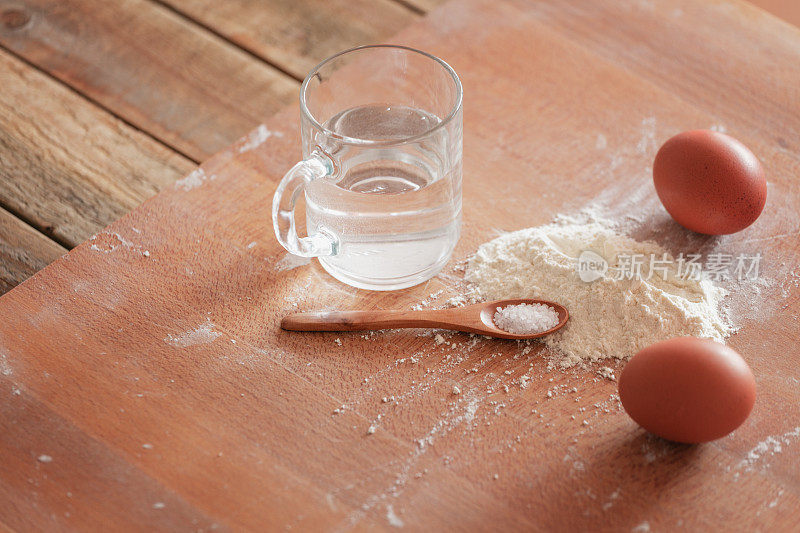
(788, 10)
(148, 364)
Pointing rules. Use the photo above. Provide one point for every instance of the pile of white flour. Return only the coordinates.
(609, 317)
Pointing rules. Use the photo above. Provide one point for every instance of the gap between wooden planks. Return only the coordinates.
(23, 251)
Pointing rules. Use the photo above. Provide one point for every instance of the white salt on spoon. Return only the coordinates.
(526, 319)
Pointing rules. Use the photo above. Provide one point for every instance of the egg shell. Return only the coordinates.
(687, 389)
(709, 182)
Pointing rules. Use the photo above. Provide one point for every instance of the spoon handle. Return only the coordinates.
(367, 320)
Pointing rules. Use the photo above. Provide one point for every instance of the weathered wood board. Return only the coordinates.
(23, 251)
(295, 36)
(145, 383)
(67, 167)
(185, 86)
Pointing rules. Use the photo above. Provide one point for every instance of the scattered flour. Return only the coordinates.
(392, 517)
(5, 368)
(607, 373)
(428, 301)
(107, 241)
(767, 447)
(457, 301)
(194, 179)
(462, 414)
(472, 409)
(202, 334)
(647, 142)
(256, 138)
(609, 317)
(290, 262)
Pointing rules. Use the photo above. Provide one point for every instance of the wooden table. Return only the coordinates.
(131, 107)
(146, 384)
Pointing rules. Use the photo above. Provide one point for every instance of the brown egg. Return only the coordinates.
(687, 389)
(709, 182)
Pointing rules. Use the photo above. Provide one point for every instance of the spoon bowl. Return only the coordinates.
(488, 309)
(475, 318)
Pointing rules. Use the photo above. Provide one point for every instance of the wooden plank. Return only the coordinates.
(23, 251)
(149, 66)
(66, 166)
(294, 35)
(179, 347)
(42, 450)
(654, 45)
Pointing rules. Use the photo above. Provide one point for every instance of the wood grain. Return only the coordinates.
(296, 36)
(34, 439)
(424, 5)
(149, 66)
(163, 330)
(66, 166)
(654, 45)
(23, 251)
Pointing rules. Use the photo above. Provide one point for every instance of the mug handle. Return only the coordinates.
(321, 243)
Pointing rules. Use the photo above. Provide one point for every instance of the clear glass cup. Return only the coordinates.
(381, 133)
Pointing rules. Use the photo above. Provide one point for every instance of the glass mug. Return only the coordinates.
(381, 174)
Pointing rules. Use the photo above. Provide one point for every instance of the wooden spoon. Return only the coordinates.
(477, 318)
